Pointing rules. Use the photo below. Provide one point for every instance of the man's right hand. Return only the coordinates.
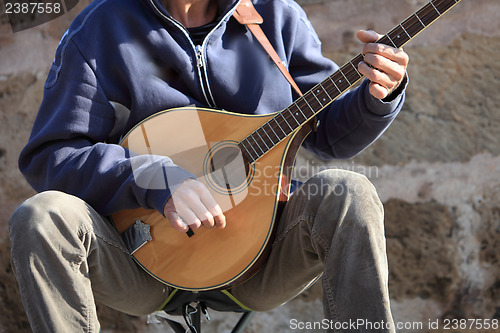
(192, 205)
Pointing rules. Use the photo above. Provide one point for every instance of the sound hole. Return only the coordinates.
(228, 168)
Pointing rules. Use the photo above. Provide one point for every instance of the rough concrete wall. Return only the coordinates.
(436, 169)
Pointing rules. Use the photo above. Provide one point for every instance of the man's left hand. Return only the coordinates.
(383, 65)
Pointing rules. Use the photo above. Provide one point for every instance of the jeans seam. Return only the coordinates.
(302, 218)
(331, 304)
(87, 313)
(89, 228)
(318, 240)
(113, 244)
(27, 304)
(84, 230)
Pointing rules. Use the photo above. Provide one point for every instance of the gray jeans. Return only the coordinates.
(65, 255)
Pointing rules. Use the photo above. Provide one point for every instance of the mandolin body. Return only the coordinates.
(196, 139)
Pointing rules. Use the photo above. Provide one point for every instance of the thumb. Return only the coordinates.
(367, 36)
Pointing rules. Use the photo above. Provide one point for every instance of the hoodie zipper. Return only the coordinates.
(199, 51)
(199, 57)
(202, 73)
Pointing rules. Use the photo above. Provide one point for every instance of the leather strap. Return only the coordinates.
(246, 14)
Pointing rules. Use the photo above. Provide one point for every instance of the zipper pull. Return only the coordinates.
(199, 56)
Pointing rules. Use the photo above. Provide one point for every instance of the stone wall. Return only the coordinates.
(436, 169)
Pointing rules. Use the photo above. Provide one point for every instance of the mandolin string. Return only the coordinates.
(289, 119)
(446, 5)
(285, 119)
(427, 14)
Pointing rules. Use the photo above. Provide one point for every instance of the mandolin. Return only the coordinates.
(245, 161)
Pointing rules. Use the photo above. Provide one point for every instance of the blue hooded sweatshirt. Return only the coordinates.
(123, 60)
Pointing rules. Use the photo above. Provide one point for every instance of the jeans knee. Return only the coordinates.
(342, 183)
(337, 194)
(36, 215)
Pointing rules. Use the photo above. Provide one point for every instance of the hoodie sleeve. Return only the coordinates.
(67, 149)
(354, 120)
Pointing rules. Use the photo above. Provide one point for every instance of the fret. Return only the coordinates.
(344, 84)
(330, 88)
(282, 116)
(272, 129)
(290, 112)
(300, 110)
(313, 102)
(355, 68)
(305, 100)
(412, 26)
(423, 24)
(324, 95)
(383, 40)
(247, 156)
(282, 130)
(257, 131)
(248, 152)
(267, 134)
(427, 15)
(341, 72)
(294, 115)
(244, 149)
(406, 32)
(351, 75)
(435, 8)
(401, 37)
(444, 5)
(321, 104)
(356, 60)
(331, 79)
(389, 37)
(339, 82)
(326, 92)
(432, 14)
(398, 37)
(262, 150)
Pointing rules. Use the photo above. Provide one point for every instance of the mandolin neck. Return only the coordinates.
(306, 107)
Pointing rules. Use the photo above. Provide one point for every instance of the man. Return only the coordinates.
(124, 60)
